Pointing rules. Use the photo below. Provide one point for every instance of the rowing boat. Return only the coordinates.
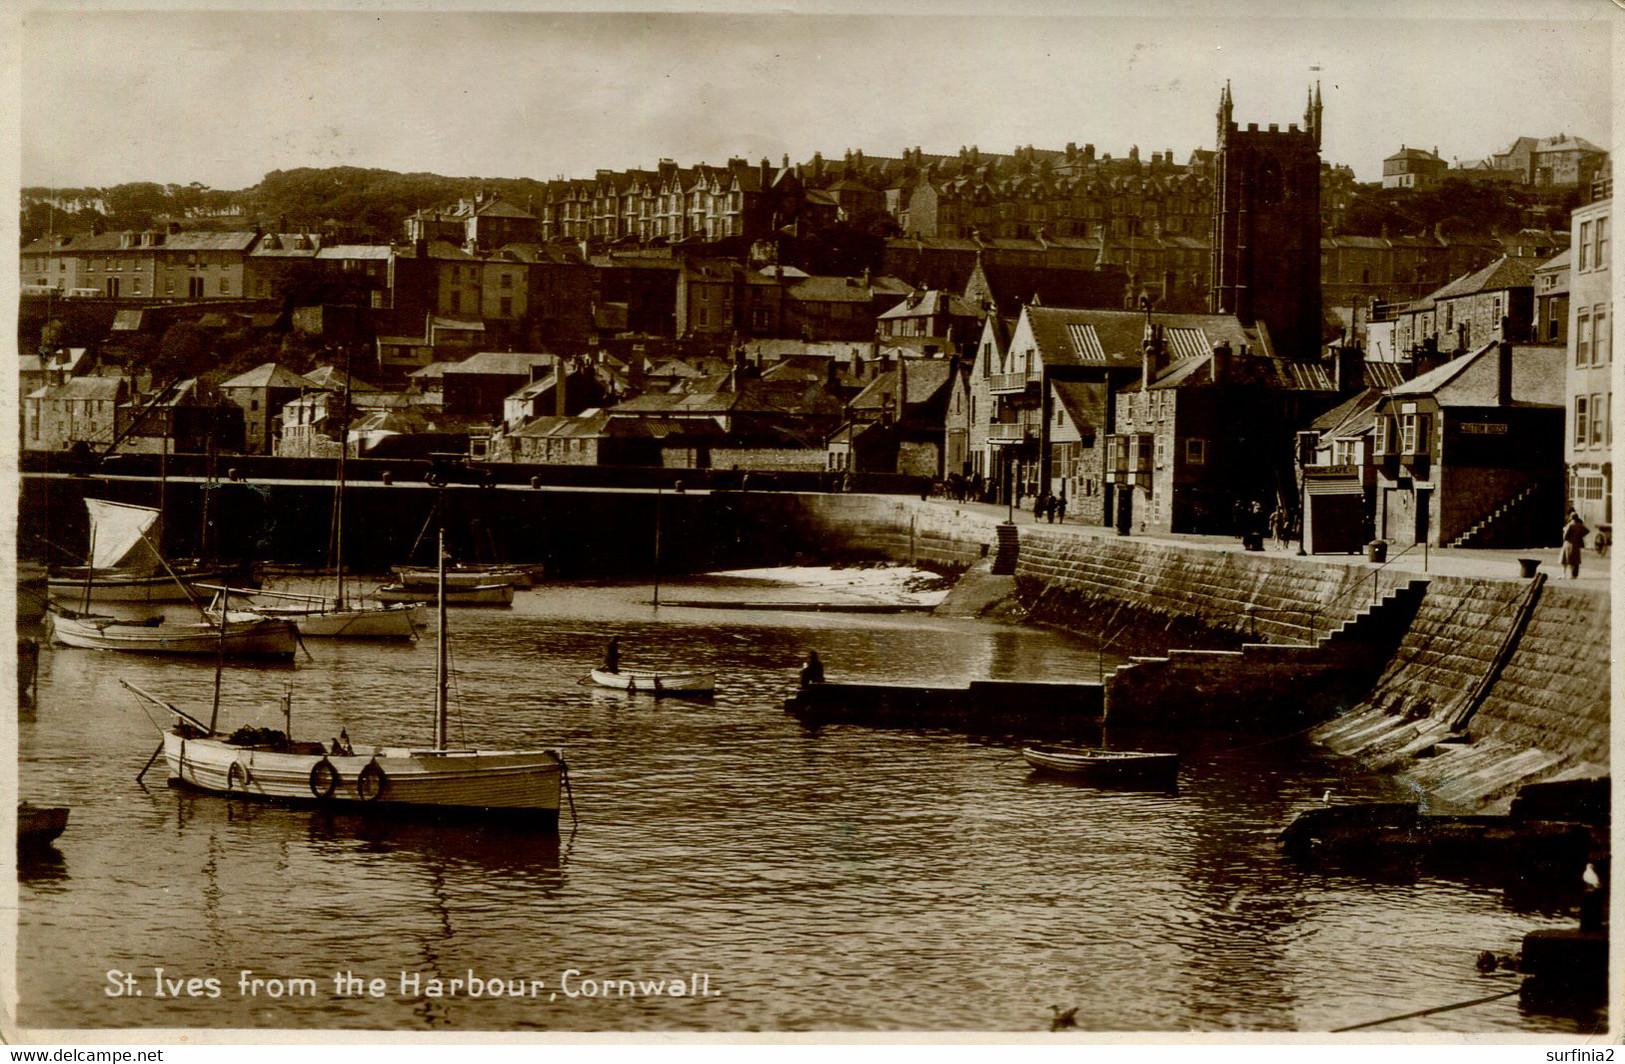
(38, 826)
(657, 682)
(246, 635)
(480, 595)
(1106, 766)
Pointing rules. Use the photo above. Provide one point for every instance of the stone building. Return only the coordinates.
(1266, 231)
(1414, 168)
(261, 393)
(78, 410)
(1469, 454)
(1589, 397)
(1207, 431)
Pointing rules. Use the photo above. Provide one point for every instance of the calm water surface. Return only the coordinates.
(843, 878)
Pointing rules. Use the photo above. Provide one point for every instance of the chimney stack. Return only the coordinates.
(1221, 361)
(559, 405)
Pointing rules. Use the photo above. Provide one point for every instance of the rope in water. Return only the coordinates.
(1428, 1012)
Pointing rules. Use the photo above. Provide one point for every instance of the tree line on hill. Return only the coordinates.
(367, 203)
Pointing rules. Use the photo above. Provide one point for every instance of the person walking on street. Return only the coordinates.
(1060, 508)
(1574, 543)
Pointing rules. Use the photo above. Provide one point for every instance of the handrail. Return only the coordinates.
(1316, 610)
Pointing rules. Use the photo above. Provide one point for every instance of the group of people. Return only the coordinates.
(1051, 508)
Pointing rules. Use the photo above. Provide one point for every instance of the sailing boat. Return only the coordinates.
(235, 635)
(260, 763)
(462, 585)
(318, 617)
(124, 565)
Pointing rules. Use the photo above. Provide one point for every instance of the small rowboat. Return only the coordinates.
(1107, 766)
(658, 683)
(479, 595)
(38, 826)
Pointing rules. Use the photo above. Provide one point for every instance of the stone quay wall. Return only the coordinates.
(1495, 682)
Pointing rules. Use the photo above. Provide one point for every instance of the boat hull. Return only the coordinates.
(520, 576)
(523, 784)
(481, 595)
(397, 621)
(1107, 767)
(260, 638)
(40, 825)
(113, 585)
(655, 682)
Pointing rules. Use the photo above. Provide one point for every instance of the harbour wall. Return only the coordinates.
(1495, 683)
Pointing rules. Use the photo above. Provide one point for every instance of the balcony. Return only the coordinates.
(1004, 383)
(1021, 430)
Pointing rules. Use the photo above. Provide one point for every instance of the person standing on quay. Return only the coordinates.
(1574, 542)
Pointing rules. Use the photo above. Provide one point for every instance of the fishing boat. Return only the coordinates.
(477, 595)
(317, 617)
(39, 826)
(124, 562)
(1106, 766)
(657, 682)
(520, 576)
(241, 635)
(271, 764)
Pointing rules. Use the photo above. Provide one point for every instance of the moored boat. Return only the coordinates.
(271, 764)
(658, 682)
(321, 618)
(477, 595)
(520, 576)
(1106, 766)
(124, 562)
(245, 635)
(38, 825)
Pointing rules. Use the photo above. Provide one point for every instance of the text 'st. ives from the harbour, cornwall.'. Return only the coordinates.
(569, 985)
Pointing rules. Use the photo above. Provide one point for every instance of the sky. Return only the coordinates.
(187, 94)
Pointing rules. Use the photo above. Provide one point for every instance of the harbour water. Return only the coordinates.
(843, 878)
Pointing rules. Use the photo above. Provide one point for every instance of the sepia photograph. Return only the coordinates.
(838, 521)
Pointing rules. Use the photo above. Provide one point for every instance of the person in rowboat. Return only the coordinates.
(612, 655)
(813, 671)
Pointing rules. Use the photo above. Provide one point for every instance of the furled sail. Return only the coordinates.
(118, 534)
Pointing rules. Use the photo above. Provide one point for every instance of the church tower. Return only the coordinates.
(1266, 227)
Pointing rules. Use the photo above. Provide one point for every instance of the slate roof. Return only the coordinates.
(1076, 398)
(379, 252)
(1067, 337)
(331, 378)
(932, 302)
(501, 363)
(846, 290)
(268, 375)
(1347, 415)
(1472, 379)
(1505, 272)
(925, 378)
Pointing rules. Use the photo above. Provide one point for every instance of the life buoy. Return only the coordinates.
(237, 777)
(324, 779)
(370, 783)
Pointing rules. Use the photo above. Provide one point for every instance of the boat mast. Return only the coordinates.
(440, 645)
(220, 653)
(338, 505)
(657, 545)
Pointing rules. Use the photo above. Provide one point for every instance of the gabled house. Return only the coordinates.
(80, 410)
(1471, 453)
(1099, 352)
(477, 386)
(1207, 433)
(898, 423)
(261, 393)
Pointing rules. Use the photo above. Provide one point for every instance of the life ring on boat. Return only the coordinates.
(370, 783)
(324, 779)
(237, 777)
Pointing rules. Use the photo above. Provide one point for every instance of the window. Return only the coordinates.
(1384, 433)
(1157, 450)
(1598, 421)
(1195, 452)
(1582, 428)
(1585, 246)
(1601, 348)
(169, 285)
(253, 405)
(225, 286)
(505, 306)
(1414, 432)
(135, 286)
(506, 281)
(1582, 339)
(1599, 257)
(1553, 323)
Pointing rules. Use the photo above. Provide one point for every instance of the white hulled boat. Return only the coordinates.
(246, 635)
(124, 565)
(254, 763)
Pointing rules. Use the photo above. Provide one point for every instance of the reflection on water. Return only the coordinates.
(829, 878)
